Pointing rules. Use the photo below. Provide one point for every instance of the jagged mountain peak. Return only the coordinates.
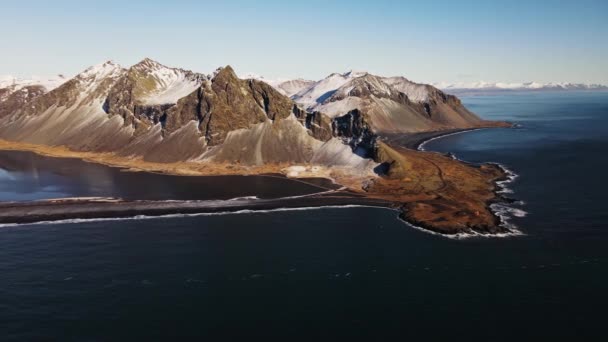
(150, 66)
(350, 74)
(362, 86)
(224, 76)
(148, 60)
(147, 64)
(355, 73)
(416, 92)
(100, 70)
(225, 72)
(153, 83)
(321, 90)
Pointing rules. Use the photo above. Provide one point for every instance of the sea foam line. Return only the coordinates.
(470, 234)
(221, 213)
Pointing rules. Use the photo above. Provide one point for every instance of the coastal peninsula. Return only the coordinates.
(358, 130)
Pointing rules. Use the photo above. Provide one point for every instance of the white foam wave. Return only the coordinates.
(506, 210)
(244, 198)
(221, 213)
(469, 234)
(503, 211)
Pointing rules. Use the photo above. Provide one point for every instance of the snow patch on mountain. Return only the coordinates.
(287, 87)
(292, 87)
(339, 87)
(415, 92)
(171, 84)
(322, 90)
(95, 81)
(100, 71)
(337, 108)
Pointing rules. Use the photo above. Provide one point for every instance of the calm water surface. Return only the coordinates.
(332, 274)
(25, 176)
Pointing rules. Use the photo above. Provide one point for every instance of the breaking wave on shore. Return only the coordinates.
(221, 213)
(504, 209)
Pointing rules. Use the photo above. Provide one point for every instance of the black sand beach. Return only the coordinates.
(56, 210)
(415, 140)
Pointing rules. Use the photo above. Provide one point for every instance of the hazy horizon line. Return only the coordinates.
(248, 74)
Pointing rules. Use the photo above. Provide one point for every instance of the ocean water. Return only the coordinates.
(334, 274)
(25, 176)
(559, 152)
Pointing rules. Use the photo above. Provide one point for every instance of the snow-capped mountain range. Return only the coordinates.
(167, 114)
(150, 109)
(519, 86)
(179, 83)
(314, 94)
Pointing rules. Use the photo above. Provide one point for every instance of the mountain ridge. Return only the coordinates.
(169, 114)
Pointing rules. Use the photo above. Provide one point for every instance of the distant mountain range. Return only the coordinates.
(498, 87)
(17, 83)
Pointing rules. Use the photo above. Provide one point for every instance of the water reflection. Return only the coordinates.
(27, 176)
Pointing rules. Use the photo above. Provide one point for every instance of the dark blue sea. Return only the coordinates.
(324, 274)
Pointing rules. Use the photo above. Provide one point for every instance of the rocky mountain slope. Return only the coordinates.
(15, 92)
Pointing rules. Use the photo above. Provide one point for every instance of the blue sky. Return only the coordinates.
(430, 41)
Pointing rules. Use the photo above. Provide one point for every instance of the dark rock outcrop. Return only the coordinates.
(354, 129)
(227, 103)
(318, 124)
